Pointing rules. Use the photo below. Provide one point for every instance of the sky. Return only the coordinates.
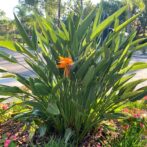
(8, 6)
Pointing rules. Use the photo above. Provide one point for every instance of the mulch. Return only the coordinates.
(14, 130)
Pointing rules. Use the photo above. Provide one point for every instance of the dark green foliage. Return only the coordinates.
(98, 81)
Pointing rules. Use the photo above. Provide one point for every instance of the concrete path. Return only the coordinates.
(25, 72)
(141, 74)
(15, 68)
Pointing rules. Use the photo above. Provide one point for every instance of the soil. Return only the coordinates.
(14, 130)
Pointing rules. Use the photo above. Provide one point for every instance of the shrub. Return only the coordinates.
(132, 135)
(7, 112)
(78, 81)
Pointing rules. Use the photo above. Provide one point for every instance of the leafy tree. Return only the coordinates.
(21, 12)
(4, 25)
(51, 8)
(133, 4)
(25, 15)
(2, 14)
(59, 11)
(111, 6)
(87, 7)
(143, 19)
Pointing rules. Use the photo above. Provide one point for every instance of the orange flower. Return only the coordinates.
(65, 63)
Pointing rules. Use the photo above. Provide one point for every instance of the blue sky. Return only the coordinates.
(8, 5)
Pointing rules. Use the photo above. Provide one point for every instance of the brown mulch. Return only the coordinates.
(15, 131)
(98, 139)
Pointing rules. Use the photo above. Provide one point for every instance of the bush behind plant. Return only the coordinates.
(98, 82)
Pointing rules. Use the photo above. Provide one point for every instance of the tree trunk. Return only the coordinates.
(81, 1)
(144, 35)
(59, 11)
(129, 16)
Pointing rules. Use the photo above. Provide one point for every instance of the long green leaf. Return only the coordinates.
(86, 22)
(120, 27)
(7, 90)
(3, 70)
(7, 75)
(24, 33)
(53, 109)
(138, 65)
(141, 46)
(8, 45)
(107, 22)
(97, 18)
(139, 96)
(8, 57)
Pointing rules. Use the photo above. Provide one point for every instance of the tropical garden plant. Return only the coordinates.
(77, 80)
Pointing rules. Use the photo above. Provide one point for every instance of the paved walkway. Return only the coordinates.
(25, 72)
(15, 68)
(141, 74)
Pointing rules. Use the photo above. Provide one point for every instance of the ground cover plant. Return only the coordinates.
(133, 130)
(78, 80)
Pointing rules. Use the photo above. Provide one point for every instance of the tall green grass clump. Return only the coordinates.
(78, 80)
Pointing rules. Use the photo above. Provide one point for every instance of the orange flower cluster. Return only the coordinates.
(65, 63)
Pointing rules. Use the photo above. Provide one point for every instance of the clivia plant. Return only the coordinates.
(78, 80)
